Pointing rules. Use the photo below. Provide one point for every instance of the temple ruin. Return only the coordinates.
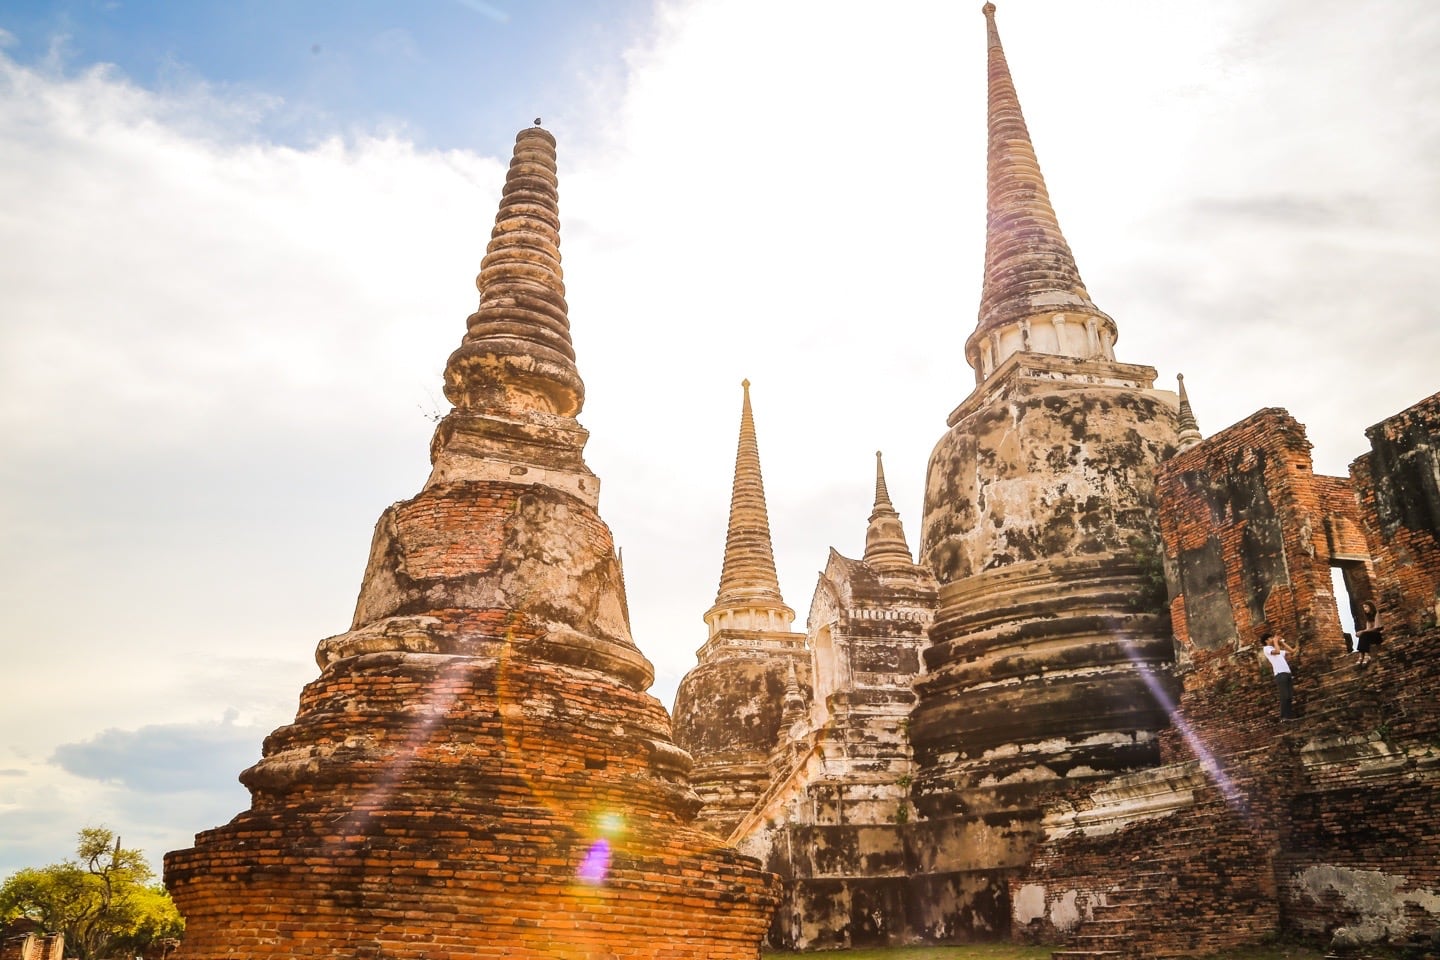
(1051, 723)
(1056, 725)
(478, 771)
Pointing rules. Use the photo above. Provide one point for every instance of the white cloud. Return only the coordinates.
(165, 758)
(210, 353)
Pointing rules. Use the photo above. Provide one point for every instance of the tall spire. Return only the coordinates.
(516, 357)
(748, 573)
(1189, 429)
(1033, 297)
(885, 546)
(747, 578)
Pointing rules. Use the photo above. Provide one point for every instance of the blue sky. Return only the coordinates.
(240, 240)
(446, 74)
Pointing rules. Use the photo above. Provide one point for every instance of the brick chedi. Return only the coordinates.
(1050, 633)
(478, 770)
(729, 708)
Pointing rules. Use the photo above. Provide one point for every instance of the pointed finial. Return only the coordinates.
(882, 494)
(1189, 434)
(885, 546)
(516, 358)
(1032, 298)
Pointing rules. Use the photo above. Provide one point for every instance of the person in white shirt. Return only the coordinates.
(1275, 651)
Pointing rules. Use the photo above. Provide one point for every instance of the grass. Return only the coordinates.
(979, 951)
(1011, 951)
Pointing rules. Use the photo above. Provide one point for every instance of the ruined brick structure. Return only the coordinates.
(1398, 482)
(1049, 649)
(478, 770)
(1030, 642)
(1053, 725)
(1325, 826)
(33, 946)
(1089, 748)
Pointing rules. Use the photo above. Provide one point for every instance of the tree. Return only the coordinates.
(105, 901)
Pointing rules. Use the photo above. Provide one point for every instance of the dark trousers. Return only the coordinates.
(1285, 687)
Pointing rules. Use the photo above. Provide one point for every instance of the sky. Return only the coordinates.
(238, 241)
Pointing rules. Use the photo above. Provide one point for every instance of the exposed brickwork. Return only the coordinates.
(440, 814)
(1086, 765)
(33, 946)
(1161, 882)
(1244, 523)
(1329, 827)
(1398, 481)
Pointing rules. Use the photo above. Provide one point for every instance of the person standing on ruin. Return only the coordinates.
(1367, 631)
(1275, 651)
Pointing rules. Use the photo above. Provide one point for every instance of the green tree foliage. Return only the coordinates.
(106, 901)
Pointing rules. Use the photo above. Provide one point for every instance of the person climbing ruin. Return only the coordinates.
(1367, 631)
(1275, 651)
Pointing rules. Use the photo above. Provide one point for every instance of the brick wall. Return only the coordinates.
(33, 946)
(1246, 527)
(1398, 482)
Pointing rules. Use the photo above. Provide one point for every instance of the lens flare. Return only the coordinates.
(1227, 787)
(596, 863)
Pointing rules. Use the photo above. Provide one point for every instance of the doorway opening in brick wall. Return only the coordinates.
(1349, 582)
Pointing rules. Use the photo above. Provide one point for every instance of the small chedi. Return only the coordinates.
(1057, 724)
(729, 709)
(478, 771)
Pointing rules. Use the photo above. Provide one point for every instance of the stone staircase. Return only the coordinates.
(1196, 893)
(1109, 934)
(1205, 884)
(1341, 702)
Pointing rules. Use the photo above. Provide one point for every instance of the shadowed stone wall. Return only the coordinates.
(1399, 483)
